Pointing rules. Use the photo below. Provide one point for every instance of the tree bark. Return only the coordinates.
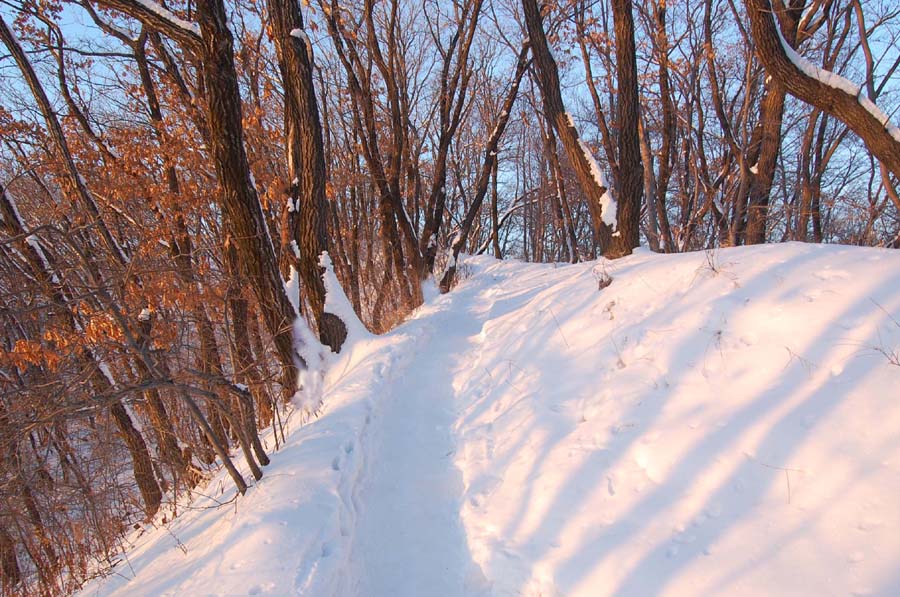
(143, 466)
(548, 81)
(306, 222)
(240, 203)
(765, 143)
(656, 202)
(9, 562)
(631, 171)
(880, 136)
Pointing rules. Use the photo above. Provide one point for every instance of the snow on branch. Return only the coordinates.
(836, 81)
(168, 15)
(823, 89)
(155, 15)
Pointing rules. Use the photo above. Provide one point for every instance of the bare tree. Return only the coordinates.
(629, 165)
(822, 89)
(307, 210)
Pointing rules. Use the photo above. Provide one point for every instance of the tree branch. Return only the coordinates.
(827, 91)
(159, 18)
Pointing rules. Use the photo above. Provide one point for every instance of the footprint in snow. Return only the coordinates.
(262, 588)
(713, 511)
(829, 274)
(870, 523)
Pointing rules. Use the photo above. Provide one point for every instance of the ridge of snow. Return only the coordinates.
(31, 239)
(292, 289)
(608, 205)
(337, 303)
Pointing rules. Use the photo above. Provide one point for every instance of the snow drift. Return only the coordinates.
(710, 423)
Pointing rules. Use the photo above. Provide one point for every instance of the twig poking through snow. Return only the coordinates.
(558, 327)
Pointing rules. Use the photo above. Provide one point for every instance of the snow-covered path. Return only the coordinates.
(409, 539)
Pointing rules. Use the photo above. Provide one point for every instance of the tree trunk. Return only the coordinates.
(766, 142)
(560, 201)
(881, 137)
(306, 222)
(143, 466)
(9, 563)
(581, 161)
(240, 203)
(495, 215)
(631, 173)
(656, 202)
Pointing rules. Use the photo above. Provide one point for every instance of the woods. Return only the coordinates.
(171, 176)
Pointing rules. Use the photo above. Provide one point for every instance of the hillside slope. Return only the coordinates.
(709, 423)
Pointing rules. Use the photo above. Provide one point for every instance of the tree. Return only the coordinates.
(306, 214)
(826, 91)
(143, 469)
(586, 168)
(214, 46)
(627, 115)
(487, 168)
(623, 214)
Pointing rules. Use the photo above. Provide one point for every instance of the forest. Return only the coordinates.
(186, 186)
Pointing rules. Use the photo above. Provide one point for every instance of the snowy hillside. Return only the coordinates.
(722, 423)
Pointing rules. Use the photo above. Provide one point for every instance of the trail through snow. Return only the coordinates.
(410, 540)
(721, 423)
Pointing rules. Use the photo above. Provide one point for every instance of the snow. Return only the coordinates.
(337, 303)
(835, 81)
(168, 15)
(292, 289)
(104, 369)
(718, 423)
(301, 35)
(608, 206)
(310, 392)
(14, 205)
(35, 244)
(311, 380)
